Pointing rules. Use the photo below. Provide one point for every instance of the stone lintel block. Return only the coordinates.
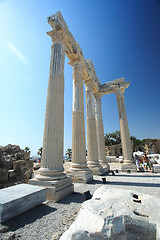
(81, 176)
(56, 190)
(132, 167)
(18, 199)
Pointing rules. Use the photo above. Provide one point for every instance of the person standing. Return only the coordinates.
(137, 162)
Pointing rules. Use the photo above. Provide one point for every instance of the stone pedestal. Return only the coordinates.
(128, 163)
(92, 147)
(51, 171)
(79, 170)
(100, 134)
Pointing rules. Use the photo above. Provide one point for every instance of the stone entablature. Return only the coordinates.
(74, 52)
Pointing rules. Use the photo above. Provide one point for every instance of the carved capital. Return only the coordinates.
(98, 96)
(77, 67)
(57, 36)
(120, 93)
(89, 85)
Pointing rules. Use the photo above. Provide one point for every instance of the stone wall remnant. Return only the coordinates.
(15, 165)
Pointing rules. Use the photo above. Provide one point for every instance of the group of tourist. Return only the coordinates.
(144, 163)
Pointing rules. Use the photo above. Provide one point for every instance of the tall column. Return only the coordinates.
(100, 134)
(128, 163)
(92, 146)
(51, 172)
(79, 170)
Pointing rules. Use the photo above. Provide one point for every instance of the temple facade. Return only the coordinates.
(51, 173)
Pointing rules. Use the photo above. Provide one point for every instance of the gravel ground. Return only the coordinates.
(49, 220)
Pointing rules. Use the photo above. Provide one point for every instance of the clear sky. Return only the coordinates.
(121, 37)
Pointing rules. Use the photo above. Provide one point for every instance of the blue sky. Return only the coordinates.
(121, 37)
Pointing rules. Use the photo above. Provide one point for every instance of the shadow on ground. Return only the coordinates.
(138, 175)
(28, 217)
(116, 183)
(136, 184)
(76, 197)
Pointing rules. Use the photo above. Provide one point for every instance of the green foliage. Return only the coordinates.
(112, 138)
(40, 151)
(69, 153)
(115, 138)
(27, 149)
(136, 141)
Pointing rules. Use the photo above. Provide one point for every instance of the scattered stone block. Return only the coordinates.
(18, 199)
(117, 214)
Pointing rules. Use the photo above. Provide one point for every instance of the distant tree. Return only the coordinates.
(40, 151)
(27, 149)
(69, 153)
(136, 141)
(115, 138)
(112, 138)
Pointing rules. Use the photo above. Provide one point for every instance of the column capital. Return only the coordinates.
(75, 62)
(120, 93)
(57, 36)
(89, 85)
(98, 96)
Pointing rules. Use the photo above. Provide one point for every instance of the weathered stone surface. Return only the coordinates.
(11, 174)
(79, 169)
(56, 189)
(18, 199)
(116, 214)
(92, 145)
(15, 165)
(23, 169)
(3, 175)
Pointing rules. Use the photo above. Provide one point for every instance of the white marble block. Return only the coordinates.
(18, 199)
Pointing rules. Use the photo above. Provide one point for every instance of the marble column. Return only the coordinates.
(92, 145)
(100, 134)
(51, 172)
(128, 163)
(79, 169)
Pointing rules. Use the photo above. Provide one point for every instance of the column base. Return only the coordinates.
(47, 174)
(96, 170)
(57, 189)
(128, 166)
(80, 173)
(81, 176)
(104, 165)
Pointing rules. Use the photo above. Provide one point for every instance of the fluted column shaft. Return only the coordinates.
(125, 136)
(78, 126)
(79, 169)
(100, 132)
(52, 153)
(92, 145)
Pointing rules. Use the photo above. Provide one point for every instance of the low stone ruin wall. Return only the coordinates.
(15, 165)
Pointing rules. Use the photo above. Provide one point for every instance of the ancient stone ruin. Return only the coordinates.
(15, 165)
(150, 146)
(116, 214)
(51, 173)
